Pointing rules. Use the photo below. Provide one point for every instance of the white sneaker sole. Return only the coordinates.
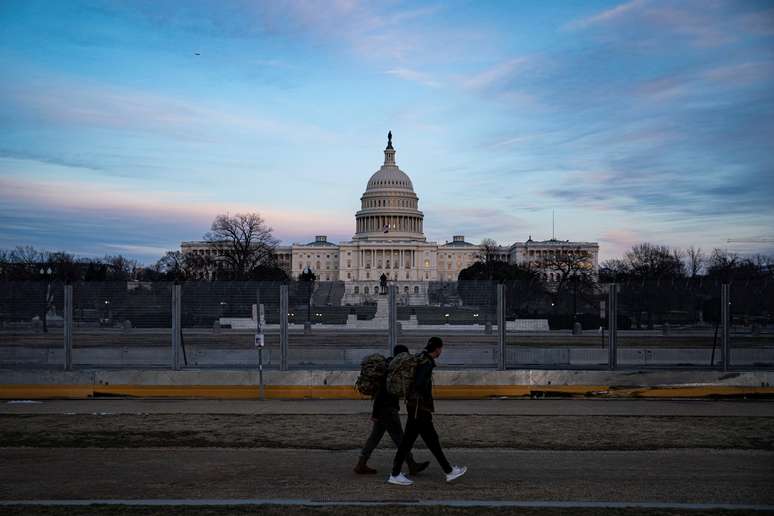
(455, 477)
(396, 483)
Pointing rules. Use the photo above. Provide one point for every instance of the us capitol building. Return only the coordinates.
(389, 240)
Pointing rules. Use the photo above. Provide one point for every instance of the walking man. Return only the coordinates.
(420, 409)
(386, 417)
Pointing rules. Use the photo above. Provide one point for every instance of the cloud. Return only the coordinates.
(659, 23)
(414, 76)
(609, 15)
(69, 102)
(475, 223)
(614, 243)
(94, 219)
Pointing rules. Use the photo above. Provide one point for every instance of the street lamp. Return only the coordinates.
(308, 277)
(47, 275)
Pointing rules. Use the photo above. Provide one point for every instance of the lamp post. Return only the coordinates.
(308, 277)
(47, 275)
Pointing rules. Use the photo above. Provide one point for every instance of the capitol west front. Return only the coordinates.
(390, 240)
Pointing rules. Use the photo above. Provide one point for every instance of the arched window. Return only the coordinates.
(357, 290)
(405, 289)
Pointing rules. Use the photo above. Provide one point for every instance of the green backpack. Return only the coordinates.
(373, 369)
(401, 373)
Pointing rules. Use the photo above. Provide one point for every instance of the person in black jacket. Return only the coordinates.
(386, 418)
(420, 409)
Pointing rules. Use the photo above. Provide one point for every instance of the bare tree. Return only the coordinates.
(243, 241)
(571, 268)
(489, 250)
(648, 261)
(185, 266)
(696, 259)
(614, 270)
(120, 267)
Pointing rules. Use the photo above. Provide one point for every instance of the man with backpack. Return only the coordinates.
(420, 409)
(386, 418)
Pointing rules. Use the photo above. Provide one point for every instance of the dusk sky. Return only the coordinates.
(125, 127)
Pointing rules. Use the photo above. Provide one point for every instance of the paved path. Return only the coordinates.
(570, 407)
(675, 476)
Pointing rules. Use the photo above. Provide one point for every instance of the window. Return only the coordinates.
(349, 275)
(407, 275)
(368, 275)
(365, 290)
(349, 263)
(416, 290)
(405, 290)
(427, 264)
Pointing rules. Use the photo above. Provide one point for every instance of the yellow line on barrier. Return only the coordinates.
(41, 391)
(690, 392)
(348, 392)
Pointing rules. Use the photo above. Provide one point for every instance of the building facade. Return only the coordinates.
(389, 240)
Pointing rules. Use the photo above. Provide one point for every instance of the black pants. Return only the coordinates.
(419, 422)
(388, 421)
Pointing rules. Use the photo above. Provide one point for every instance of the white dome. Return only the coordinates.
(390, 177)
(389, 207)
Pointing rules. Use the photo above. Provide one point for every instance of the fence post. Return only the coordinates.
(725, 318)
(392, 319)
(612, 325)
(176, 301)
(283, 327)
(501, 326)
(68, 327)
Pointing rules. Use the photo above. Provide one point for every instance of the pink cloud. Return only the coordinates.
(614, 243)
(175, 208)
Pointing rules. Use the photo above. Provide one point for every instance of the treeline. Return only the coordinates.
(27, 263)
(654, 262)
(242, 248)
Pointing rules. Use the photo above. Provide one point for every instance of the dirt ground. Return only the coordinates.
(341, 511)
(348, 431)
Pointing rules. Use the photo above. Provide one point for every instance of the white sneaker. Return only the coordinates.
(456, 472)
(400, 480)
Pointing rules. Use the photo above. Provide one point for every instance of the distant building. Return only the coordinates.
(389, 239)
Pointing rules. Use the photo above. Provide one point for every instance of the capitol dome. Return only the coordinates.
(389, 175)
(389, 206)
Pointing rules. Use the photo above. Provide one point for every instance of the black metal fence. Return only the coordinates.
(332, 325)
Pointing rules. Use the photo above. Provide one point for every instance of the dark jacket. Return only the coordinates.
(383, 400)
(421, 396)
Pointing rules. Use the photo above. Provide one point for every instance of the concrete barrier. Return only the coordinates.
(468, 384)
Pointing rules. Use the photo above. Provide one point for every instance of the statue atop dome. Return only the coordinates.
(389, 140)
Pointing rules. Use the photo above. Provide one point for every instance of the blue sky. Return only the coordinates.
(634, 121)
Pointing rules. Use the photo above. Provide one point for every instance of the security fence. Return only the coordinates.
(685, 323)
